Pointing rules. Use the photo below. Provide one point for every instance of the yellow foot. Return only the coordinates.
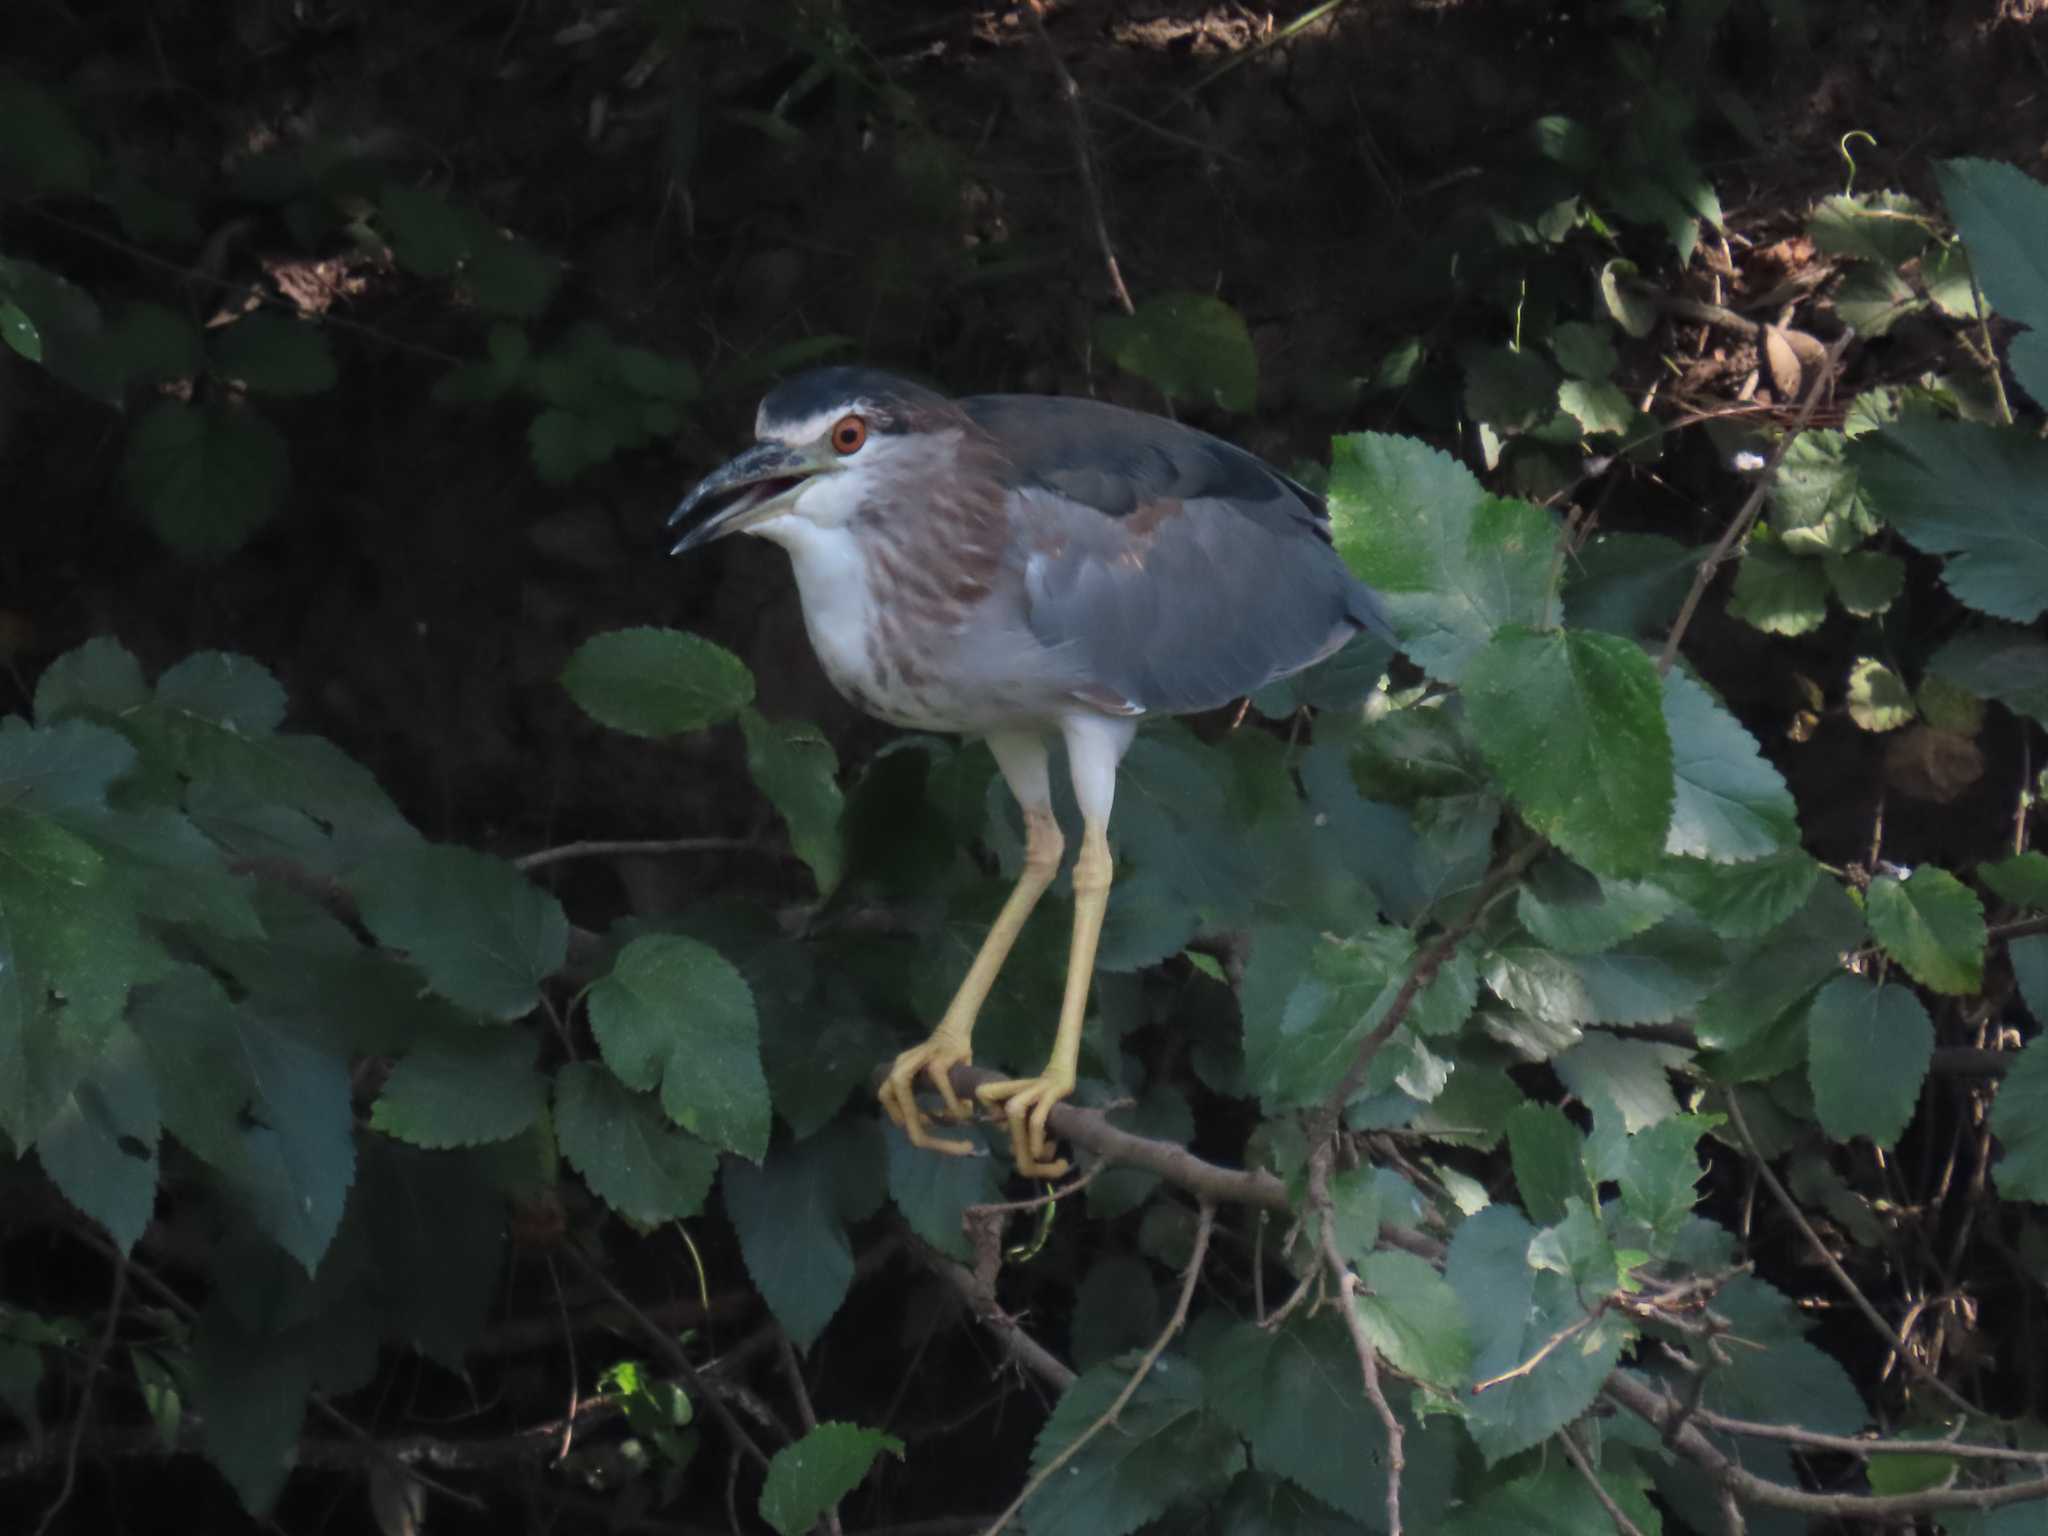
(935, 1059)
(1025, 1102)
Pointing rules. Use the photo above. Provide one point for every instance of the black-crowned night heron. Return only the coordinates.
(1008, 566)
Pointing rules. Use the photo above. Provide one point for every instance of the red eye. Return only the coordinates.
(848, 433)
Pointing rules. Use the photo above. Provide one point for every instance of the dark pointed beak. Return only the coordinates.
(756, 485)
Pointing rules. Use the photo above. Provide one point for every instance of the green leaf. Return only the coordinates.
(1584, 351)
(507, 276)
(98, 679)
(1164, 1450)
(1553, 1499)
(1886, 227)
(627, 1151)
(2019, 1119)
(223, 689)
(674, 1011)
(1631, 1076)
(485, 936)
(1933, 925)
(1544, 1148)
(1817, 506)
(250, 1394)
(462, 1090)
(1878, 698)
(270, 1111)
(19, 332)
(1509, 390)
(1190, 346)
(71, 945)
(1998, 662)
(791, 1232)
(1578, 913)
(100, 1150)
(273, 355)
(1780, 1378)
(1741, 900)
(1116, 1307)
(2002, 215)
(1450, 563)
(1304, 1026)
(1620, 293)
(1628, 583)
(1414, 1318)
(1874, 299)
(1866, 582)
(1868, 1047)
(2021, 879)
(1293, 1393)
(812, 1475)
(1730, 803)
(2029, 957)
(1659, 1175)
(933, 1192)
(428, 236)
(1771, 976)
(1649, 979)
(207, 476)
(1596, 407)
(1778, 592)
(1570, 721)
(1514, 1312)
(1972, 493)
(657, 682)
(795, 767)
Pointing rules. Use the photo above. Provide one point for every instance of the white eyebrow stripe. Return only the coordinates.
(812, 427)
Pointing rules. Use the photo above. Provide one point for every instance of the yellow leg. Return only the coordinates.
(1028, 1101)
(951, 1043)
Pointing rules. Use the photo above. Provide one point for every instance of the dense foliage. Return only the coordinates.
(1513, 1098)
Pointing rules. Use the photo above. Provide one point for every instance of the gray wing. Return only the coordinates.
(1180, 572)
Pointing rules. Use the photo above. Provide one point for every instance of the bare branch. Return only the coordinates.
(1347, 1299)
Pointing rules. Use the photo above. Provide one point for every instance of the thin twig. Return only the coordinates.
(1901, 1345)
(1205, 1225)
(608, 847)
(1347, 1300)
(1615, 1512)
(1644, 1400)
(1077, 121)
(95, 1363)
(1851, 1445)
(1026, 1352)
(1543, 1353)
(1823, 380)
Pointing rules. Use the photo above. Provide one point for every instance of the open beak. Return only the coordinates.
(751, 488)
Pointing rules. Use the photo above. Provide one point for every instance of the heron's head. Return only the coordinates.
(826, 444)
